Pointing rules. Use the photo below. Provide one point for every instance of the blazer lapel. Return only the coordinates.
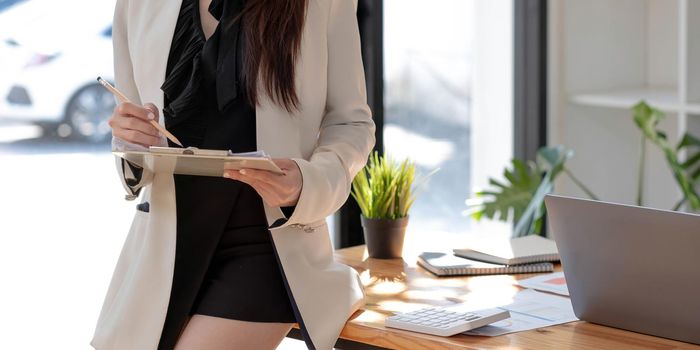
(150, 39)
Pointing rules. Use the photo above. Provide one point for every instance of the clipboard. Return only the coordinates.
(200, 162)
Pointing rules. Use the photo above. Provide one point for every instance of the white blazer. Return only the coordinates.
(330, 139)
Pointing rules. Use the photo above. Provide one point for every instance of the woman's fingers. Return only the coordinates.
(288, 166)
(279, 190)
(135, 136)
(244, 175)
(280, 184)
(153, 109)
(275, 194)
(262, 176)
(285, 164)
(128, 108)
(132, 123)
(269, 194)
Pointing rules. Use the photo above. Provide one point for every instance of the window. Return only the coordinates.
(448, 100)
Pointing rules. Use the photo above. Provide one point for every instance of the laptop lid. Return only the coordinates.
(630, 267)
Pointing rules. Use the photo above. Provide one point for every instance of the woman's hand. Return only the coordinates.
(132, 123)
(275, 190)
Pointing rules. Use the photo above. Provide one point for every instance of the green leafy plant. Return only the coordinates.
(685, 173)
(510, 199)
(521, 198)
(384, 188)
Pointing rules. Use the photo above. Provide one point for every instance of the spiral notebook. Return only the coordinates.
(445, 264)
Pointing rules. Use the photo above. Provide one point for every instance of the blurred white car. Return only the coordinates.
(49, 61)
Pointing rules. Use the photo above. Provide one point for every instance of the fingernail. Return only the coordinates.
(242, 171)
(151, 116)
(227, 175)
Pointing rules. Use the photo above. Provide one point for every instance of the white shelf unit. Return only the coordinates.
(665, 99)
(604, 57)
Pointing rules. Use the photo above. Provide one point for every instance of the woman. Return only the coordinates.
(233, 262)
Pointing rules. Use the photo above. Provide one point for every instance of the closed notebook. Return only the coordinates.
(516, 251)
(445, 264)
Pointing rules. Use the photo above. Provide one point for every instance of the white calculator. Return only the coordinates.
(443, 321)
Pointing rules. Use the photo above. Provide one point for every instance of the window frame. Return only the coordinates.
(529, 85)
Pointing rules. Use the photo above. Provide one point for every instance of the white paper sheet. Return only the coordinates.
(529, 309)
(551, 282)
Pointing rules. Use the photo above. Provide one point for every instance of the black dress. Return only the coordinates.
(225, 265)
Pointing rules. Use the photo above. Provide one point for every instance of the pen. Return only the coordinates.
(122, 98)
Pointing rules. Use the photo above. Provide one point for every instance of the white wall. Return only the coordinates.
(609, 49)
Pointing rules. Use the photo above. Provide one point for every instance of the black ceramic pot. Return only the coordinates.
(384, 237)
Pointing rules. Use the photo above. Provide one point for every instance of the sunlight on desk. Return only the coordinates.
(383, 285)
(398, 285)
(489, 291)
(410, 288)
(369, 317)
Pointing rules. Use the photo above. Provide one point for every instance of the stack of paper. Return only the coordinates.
(529, 309)
(551, 282)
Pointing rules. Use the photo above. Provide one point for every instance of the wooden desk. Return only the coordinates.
(398, 285)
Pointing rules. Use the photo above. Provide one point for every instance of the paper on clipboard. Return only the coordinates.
(200, 162)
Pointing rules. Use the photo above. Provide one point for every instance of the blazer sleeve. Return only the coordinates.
(132, 177)
(346, 135)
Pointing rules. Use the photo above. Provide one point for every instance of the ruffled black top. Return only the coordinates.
(205, 104)
(205, 107)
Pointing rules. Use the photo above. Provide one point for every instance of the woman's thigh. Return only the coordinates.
(216, 333)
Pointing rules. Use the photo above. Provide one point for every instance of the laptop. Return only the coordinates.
(629, 267)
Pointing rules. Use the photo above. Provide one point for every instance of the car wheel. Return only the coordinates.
(88, 112)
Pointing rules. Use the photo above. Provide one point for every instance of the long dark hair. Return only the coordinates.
(272, 31)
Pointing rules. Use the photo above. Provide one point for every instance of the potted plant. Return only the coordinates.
(520, 196)
(383, 190)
